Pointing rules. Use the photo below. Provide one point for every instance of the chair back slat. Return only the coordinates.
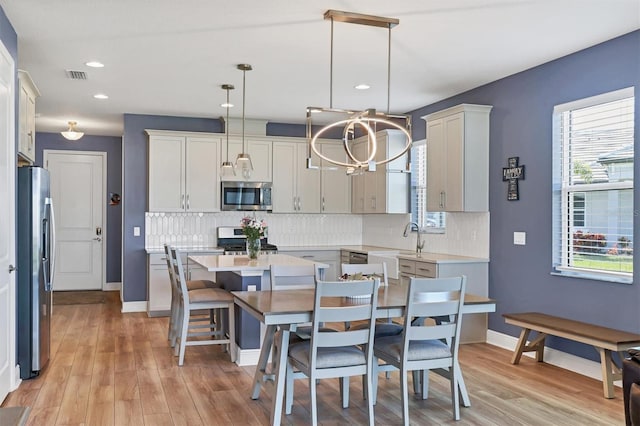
(435, 308)
(347, 288)
(293, 277)
(344, 313)
(345, 338)
(181, 281)
(379, 269)
(431, 332)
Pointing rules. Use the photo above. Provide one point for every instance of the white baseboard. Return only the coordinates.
(128, 307)
(15, 380)
(552, 356)
(114, 286)
(247, 356)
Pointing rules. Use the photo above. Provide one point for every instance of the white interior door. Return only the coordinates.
(79, 194)
(8, 381)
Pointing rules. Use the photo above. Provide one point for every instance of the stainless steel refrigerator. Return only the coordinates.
(36, 248)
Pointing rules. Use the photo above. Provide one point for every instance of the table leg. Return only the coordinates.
(281, 371)
(261, 368)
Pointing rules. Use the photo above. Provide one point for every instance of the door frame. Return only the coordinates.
(103, 197)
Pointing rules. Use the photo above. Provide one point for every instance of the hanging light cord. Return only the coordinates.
(244, 75)
(389, 73)
(226, 126)
(331, 70)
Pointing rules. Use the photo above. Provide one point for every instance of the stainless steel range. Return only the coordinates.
(233, 241)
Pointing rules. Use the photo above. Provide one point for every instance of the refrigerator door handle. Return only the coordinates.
(52, 226)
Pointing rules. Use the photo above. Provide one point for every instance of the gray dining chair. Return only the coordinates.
(336, 354)
(175, 296)
(426, 345)
(197, 300)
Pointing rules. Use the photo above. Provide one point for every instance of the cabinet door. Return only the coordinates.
(159, 290)
(358, 181)
(166, 173)
(335, 185)
(284, 194)
(436, 166)
(27, 124)
(454, 145)
(202, 177)
(261, 159)
(308, 182)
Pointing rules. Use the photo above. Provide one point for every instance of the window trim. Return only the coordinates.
(424, 229)
(561, 191)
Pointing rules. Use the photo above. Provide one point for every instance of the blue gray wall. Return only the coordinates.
(519, 276)
(112, 145)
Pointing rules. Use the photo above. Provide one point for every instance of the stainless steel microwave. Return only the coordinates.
(241, 196)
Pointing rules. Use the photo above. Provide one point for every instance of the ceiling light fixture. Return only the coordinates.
(94, 64)
(72, 134)
(365, 121)
(100, 96)
(362, 86)
(227, 168)
(243, 162)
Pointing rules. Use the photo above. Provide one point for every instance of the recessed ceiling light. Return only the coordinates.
(100, 96)
(362, 86)
(226, 105)
(94, 64)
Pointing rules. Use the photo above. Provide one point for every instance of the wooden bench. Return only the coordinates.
(605, 340)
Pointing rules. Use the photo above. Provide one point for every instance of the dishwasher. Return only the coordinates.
(358, 258)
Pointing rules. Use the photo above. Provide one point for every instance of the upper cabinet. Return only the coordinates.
(28, 92)
(387, 189)
(183, 172)
(297, 189)
(261, 158)
(458, 159)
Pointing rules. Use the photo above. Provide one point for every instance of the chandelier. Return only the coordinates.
(243, 161)
(355, 122)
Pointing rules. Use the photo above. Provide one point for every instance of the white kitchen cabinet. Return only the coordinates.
(387, 189)
(458, 159)
(335, 185)
(297, 189)
(183, 172)
(330, 257)
(260, 152)
(27, 92)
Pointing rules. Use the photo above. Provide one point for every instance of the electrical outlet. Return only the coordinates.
(520, 238)
(136, 231)
(251, 288)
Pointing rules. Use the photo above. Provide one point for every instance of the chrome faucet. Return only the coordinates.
(419, 243)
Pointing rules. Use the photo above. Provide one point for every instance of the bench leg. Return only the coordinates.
(610, 372)
(536, 345)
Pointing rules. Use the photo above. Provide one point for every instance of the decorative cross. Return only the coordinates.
(513, 173)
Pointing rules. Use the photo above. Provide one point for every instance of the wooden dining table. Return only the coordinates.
(286, 309)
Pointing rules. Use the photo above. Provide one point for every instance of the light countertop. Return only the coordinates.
(186, 249)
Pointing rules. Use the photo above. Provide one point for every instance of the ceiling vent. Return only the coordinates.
(76, 75)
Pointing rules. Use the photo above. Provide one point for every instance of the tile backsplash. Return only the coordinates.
(467, 234)
(199, 229)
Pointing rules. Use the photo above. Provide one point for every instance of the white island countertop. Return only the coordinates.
(242, 263)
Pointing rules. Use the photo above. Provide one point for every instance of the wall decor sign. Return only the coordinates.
(513, 173)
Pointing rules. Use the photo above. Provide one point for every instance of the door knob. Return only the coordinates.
(97, 239)
(12, 268)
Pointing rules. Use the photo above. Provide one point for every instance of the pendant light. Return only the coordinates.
(243, 162)
(227, 169)
(72, 134)
(367, 120)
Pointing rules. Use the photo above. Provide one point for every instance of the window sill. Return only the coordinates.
(597, 276)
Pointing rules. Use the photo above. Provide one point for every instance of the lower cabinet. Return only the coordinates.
(474, 326)
(159, 284)
(330, 257)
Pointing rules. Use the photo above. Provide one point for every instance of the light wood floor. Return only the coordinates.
(110, 368)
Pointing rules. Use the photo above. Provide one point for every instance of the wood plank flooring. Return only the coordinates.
(110, 368)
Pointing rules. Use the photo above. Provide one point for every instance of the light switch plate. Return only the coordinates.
(136, 231)
(251, 288)
(519, 238)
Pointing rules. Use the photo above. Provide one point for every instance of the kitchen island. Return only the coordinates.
(239, 273)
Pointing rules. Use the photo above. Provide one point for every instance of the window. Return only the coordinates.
(428, 221)
(593, 142)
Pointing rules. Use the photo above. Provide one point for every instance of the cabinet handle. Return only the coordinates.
(424, 269)
(441, 198)
(308, 256)
(188, 203)
(322, 203)
(182, 201)
(299, 204)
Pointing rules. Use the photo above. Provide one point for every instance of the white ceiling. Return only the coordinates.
(168, 57)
